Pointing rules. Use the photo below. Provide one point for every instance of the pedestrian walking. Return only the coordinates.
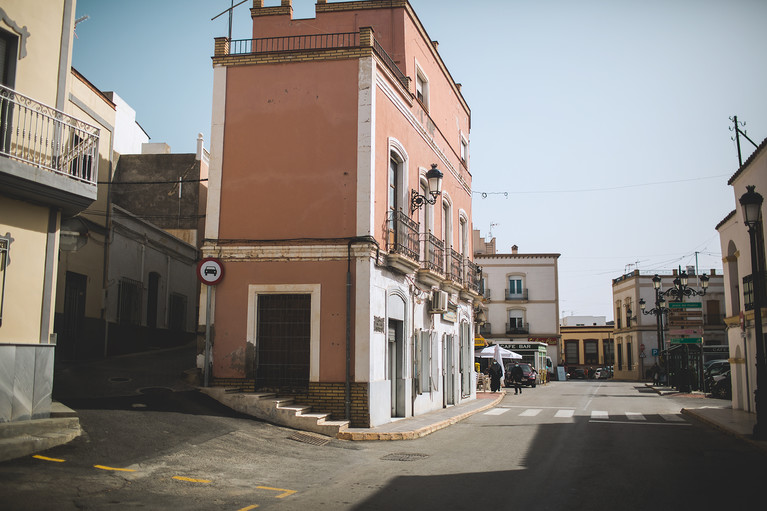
(495, 376)
(516, 376)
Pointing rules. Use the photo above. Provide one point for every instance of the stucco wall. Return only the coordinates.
(271, 111)
(37, 73)
(24, 273)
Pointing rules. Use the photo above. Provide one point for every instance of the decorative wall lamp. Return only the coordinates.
(434, 180)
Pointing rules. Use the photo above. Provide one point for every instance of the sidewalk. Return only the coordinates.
(737, 423)
(421, 425)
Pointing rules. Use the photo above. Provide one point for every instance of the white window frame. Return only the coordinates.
(422, 86)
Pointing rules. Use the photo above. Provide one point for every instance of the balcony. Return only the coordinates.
(453, 273)
(485, 329)
(312, 46)
(516, 297)
(402, 242)
(432, 272)
(472, 280)
(517, 328)
(46, 155)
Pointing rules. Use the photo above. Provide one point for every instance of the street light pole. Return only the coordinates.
(658, 311)
(751, 202)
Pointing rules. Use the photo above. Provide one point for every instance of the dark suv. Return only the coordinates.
(529, 375)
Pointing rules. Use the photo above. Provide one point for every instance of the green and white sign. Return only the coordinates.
(687, 340)
(685, 305)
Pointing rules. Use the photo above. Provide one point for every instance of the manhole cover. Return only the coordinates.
(119, 379)
(309, 438)
(404, 456)
(155, 390)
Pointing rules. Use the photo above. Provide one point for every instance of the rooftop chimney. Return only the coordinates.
(514, 249)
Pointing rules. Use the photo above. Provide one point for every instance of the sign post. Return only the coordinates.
(210, 271)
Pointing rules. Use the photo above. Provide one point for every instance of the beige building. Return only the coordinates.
(691, 331)
(738, 280)
(49, 160)
(521, 297)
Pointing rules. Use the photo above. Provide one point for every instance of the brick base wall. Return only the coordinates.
(328, 397)
(323, 397)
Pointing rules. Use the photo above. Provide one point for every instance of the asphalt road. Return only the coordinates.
(151, 441)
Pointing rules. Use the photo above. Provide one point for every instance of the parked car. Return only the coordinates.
(602, 373)
(577, 374)
(715, 369)
(721, 385)
(529, 375)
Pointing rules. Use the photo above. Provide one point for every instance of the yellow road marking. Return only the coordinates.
(254, 506)
(281, 496)
(57, 460)
(189, 479)
(102, 467)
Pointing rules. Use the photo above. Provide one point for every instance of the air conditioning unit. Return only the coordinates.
(438, 303)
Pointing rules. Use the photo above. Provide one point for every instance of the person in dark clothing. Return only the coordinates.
(516, 375)
(495, 376)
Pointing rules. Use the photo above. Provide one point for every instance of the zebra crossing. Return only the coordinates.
(594, 416)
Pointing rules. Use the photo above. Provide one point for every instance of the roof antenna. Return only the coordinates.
(79, 20)
(229, 10)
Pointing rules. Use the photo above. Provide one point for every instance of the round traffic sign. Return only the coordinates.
(210, 271)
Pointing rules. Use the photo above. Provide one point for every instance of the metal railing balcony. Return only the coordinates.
(485, 329)
(295, 43)
(517, 328)
(454, 265)
(434, 254)
(473, 276)
(312, 42)
(402, 235)
(516, 296)
(39, 135)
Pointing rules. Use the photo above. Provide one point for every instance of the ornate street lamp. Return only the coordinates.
(680, 288)
(751, 202)
(658, 311)
(434, 179)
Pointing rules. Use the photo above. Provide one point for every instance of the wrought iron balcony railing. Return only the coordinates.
(485, 329)
(402, 235)
(454, 265)
(516, 296)
(435, 254)
(316, 42)
(39, 135)
(473, 277)
(517, 328)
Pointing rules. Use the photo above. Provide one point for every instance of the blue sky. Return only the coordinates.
(606, 122)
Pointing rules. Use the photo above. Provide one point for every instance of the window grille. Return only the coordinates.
(129, 302)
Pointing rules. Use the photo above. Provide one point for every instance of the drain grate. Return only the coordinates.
(405, 456)
(309, 438)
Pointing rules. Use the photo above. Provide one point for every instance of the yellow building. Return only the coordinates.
(48, 169)
(586, 346)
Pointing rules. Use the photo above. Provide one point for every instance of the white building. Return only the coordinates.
(736, 252)
(521, 294)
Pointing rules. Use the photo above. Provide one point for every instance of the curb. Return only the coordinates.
(417, 433)
(708, 422)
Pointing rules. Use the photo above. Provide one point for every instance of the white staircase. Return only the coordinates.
(282, 411)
